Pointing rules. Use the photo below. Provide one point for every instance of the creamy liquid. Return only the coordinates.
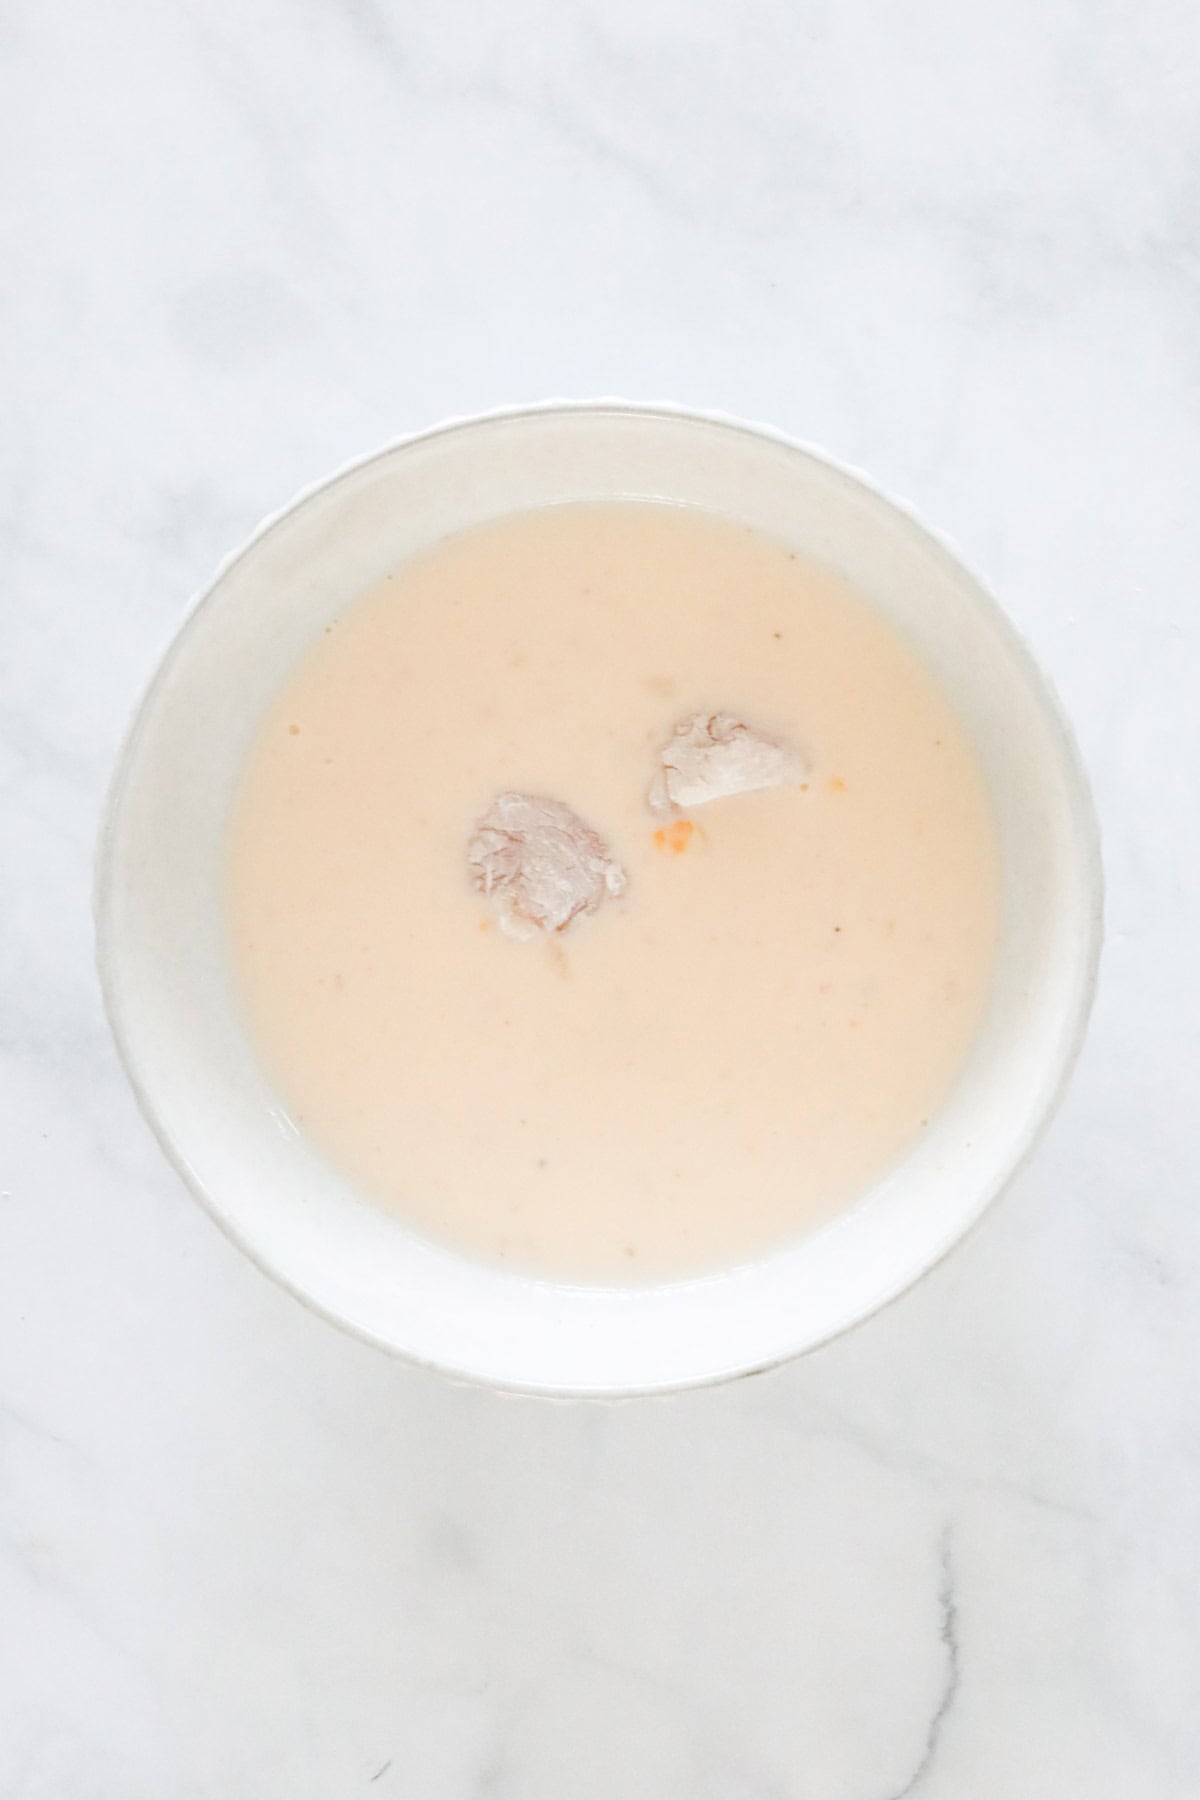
(720, 1058)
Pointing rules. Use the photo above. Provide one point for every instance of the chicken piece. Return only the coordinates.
(540, 864)
(712, 755)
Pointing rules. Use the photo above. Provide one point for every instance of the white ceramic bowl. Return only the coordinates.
(166, 982)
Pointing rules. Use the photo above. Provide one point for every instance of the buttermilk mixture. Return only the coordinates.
(612, 893)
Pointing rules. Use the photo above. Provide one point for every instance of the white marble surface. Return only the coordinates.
(955, 1554)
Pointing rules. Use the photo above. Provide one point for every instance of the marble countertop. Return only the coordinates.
(956, 1553)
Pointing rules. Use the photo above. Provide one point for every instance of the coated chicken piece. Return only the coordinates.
(710, 756)
(540, 864)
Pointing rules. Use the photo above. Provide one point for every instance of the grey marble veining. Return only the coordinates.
(956, 1553)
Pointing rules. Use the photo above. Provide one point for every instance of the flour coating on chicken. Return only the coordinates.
(710, 756)
(540, 864)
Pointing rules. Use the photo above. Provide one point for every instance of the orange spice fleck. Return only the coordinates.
(836, 785)
(674, 837)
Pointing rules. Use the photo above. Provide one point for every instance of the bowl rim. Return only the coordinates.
(1087, 846)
